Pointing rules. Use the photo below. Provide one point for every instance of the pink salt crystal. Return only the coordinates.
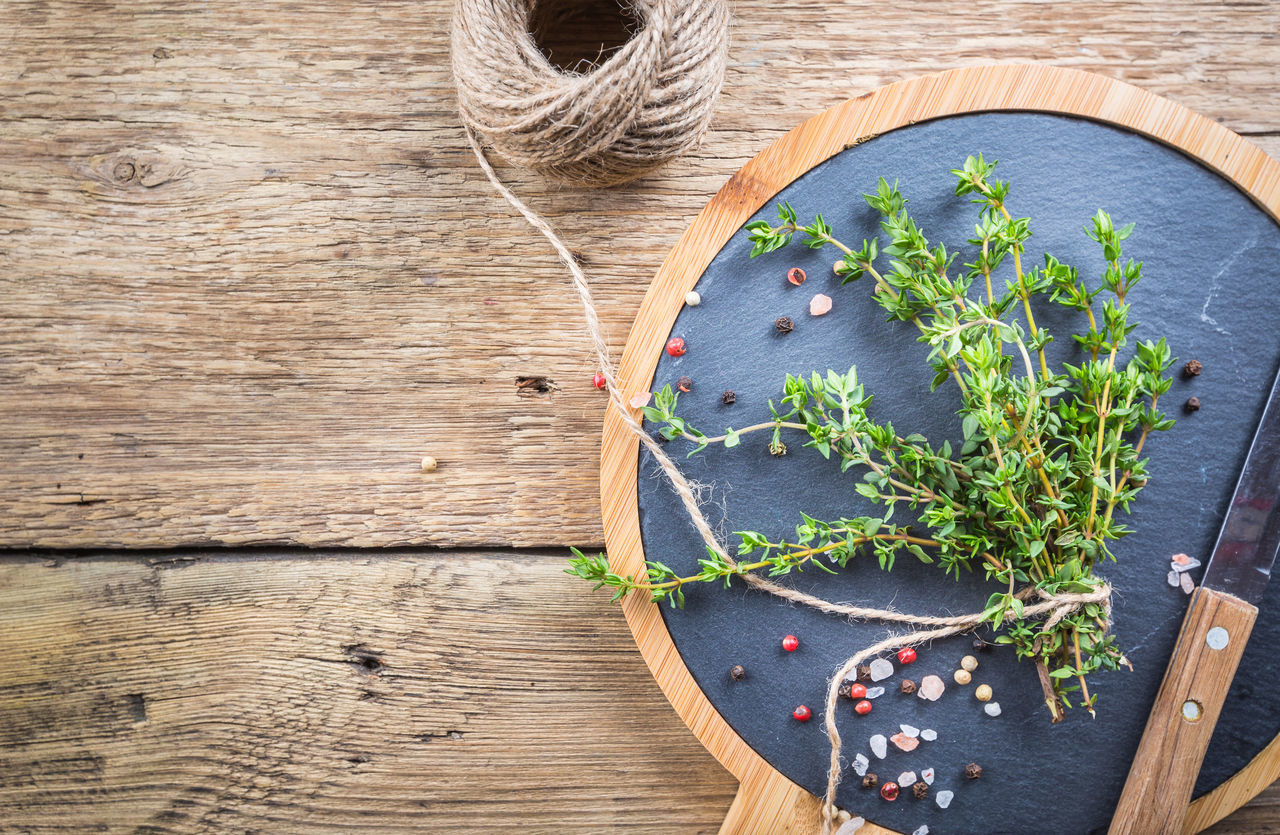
(904, 742)
(1181, 562)
(819, 305)
(850, 826)
(1187, 585)
(931, 687)
(641, 400)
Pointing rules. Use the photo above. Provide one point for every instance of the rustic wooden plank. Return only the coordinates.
(337, 691)
(252, 275)
(334, 691)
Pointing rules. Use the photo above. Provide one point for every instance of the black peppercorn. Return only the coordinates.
(845, 687)
(907, 686)
(728, 398)
(980, 645)
(1192, 404)
(784, 324)
(973, 771)
(864, 672)
(870, 781)
(737, 672)
(920, 790)
(1192, 368)
(684, 384)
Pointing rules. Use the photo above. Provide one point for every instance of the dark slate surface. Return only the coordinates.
(1212, 271)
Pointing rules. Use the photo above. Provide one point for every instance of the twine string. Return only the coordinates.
(646, 104)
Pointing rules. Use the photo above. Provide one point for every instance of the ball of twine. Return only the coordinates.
(648, 102)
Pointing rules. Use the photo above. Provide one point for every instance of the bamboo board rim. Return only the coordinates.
(1001, 87)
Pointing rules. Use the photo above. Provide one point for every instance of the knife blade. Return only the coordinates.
(1220, 616)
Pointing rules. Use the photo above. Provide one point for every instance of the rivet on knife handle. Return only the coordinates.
(1204, 661)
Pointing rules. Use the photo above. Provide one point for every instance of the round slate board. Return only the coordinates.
(1210, 258)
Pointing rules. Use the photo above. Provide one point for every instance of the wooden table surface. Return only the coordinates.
(251, 276)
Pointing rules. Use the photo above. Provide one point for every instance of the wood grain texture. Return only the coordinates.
(334, 692)
(1165, 767)
(252, 275)
(974, 89)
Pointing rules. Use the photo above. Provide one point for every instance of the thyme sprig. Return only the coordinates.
(1045, 456)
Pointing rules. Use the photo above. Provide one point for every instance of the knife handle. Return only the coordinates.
(1164, 770)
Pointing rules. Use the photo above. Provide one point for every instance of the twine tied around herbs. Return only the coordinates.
(647, 103)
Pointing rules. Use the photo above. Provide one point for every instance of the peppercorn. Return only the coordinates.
(1192, 368)
(598, 381)
(728, 398)
(857, 690)
(796, 276)
(844, 690)
(889, 791)
(802, 713)
(920, 790)
(980, 645)
(906, 655)
(907, 687)
(676, 346)
(973, 771)
(864, 672)
(1192, 404)
(870, 781)
(684, 384)
(862, 708)
(962, 677)
(983, 693)
(791, 643)
(783, 324)
(738, 672)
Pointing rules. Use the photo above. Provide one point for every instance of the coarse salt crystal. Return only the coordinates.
(928, 734)
(881, 669)
(906, 778)
(879, 745)
(1187, 585)
(991, 708)
(943, 798)
(931, 687)
(850, 826)
(927, 776)
(910, 731)
(860, 764)
(820, 305)
(1173, 579)
(875, 692)
(1182, 562)
(923, 830)
(904, 742)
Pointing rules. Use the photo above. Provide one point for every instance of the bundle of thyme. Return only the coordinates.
(1046, 457)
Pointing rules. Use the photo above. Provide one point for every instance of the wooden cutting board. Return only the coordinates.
(750, 734)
